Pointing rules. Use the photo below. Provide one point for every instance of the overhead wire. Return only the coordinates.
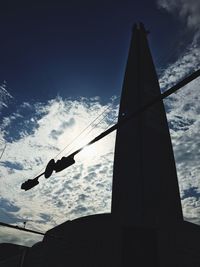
(58, 238)
(160, 97)
(87, 127)
(73, 140)
(95, 125)
(87, 134)
(76, 137)
(109, 130)
(21, 228)
(120, 123)
(3, 151)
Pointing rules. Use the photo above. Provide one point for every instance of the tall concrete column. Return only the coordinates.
(145, 185)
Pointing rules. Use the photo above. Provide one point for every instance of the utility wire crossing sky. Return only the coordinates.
(61, 65)
(66, 162)
(31, 183)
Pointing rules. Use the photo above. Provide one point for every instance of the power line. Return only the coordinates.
(32, 231)
(69, 160)
(3, 151)
(141, 110)
(117, 126)
(73, 140)
(90, 124)
(21, 229)
(94, 127)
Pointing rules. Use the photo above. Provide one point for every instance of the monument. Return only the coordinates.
(145, 226)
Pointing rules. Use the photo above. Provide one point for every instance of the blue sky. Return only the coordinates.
(61, 66)
(77, 48)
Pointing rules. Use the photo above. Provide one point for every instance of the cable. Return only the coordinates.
(105, 110)
(3, 151)
(160, 97)
(73, 140)
(144, 108)
(29, 230)
(21, 229)
(94, 128)
(7, 215)
(122, 122)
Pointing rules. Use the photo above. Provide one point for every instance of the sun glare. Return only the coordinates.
(88, 152)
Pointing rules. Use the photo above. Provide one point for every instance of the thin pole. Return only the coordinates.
(23, 256)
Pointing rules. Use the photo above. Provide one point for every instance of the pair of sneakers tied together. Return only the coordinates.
(58, 166)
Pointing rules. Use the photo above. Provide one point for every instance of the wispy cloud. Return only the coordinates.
(5, 96)
(188, 60)
(188, 11)
(187, 63)
(183, 112)
(8, 235)
(183, 108)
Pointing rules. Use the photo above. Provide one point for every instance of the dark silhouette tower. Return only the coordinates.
(145, 186)
(145, 226)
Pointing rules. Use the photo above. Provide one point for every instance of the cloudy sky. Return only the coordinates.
(61, 69)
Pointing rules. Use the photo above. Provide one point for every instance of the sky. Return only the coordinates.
(61, 71)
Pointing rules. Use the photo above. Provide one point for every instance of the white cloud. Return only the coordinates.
(82, 189)
(187, 10)
(183, 112)
(183, 109)
(85, 187)
(186, 64)
(8, 235)
(188, 61)
(5, 96)
(40, 132)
